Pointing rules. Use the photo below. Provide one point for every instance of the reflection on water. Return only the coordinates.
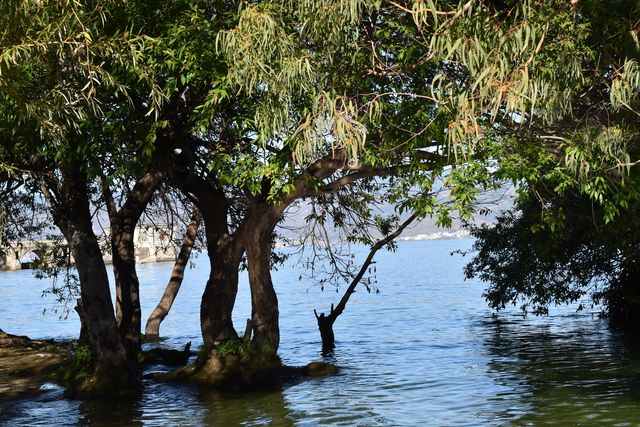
(187, 406)
(571, 370)
(426, 351)
(261, 408)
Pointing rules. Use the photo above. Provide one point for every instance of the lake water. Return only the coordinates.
(426, 350)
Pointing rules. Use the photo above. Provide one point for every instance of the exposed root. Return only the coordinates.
(243, 369)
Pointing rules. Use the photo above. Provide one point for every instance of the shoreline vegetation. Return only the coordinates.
(155, 117)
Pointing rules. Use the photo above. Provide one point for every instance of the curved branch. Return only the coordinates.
(374, 249)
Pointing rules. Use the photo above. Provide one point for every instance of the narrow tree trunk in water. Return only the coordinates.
(152, 329)
(325, 323)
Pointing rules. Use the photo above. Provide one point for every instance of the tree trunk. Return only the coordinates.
(257, 361)
(70, 209)
(325, 325)
(123, 224)
(106, 343)
(83, 339)
(225, 254)
(219, 295)
(261, 221)
(152, 329)
(128, 311)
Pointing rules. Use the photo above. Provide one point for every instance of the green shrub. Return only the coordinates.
(77, 369)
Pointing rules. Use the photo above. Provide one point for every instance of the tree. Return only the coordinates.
(250, 107)
(304, 95)
(325, 322)
(572, 235)
(71, 212)
(123, 222)
(243, 184)
(53, 64)
(535, 265)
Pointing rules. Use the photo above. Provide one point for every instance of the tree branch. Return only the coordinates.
(374, 249)
(352, 177)
(107, 194)
(141, 194)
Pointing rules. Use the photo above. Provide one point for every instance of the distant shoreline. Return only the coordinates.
(440, 235)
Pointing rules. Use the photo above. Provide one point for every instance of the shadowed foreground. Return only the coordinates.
(26, 364)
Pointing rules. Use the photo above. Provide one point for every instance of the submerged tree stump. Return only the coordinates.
(325, 323)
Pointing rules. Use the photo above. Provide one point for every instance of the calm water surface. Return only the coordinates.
(425, 351)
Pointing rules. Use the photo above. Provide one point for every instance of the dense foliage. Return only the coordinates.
(582, 259)
(574, 232)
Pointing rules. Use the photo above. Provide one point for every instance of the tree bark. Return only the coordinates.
(260, 223)
(83, 339)
(220, 292)
(128, 312)
(70, 209)
(123, 224)
(152, 328)
(106, 343)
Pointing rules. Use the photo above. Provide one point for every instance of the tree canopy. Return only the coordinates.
(572, 234)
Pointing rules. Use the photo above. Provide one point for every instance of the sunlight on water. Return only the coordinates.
(425, 351)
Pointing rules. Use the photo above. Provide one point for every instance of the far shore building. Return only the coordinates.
(153, 243)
